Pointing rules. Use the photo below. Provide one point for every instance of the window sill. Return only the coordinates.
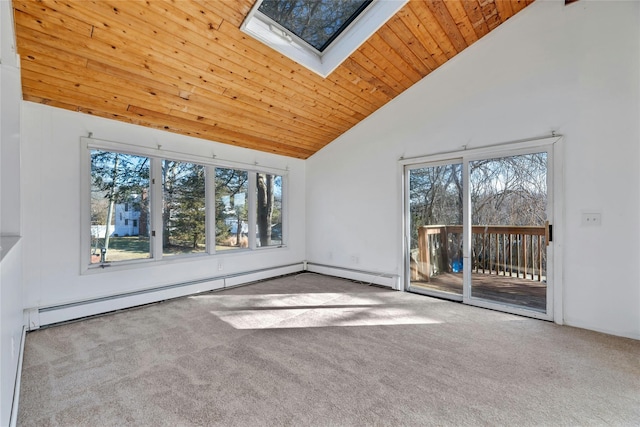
(145, 263)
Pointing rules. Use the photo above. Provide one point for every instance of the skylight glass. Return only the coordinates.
(317, 22)
(318, 34)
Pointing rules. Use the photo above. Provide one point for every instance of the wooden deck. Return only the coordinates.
(506, 290)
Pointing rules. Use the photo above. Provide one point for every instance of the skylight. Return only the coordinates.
(319, 34)
(317, 23)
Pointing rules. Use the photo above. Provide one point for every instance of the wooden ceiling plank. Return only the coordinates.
(310, 103)
(518, 5)
(168, 121)
(107, 9)
(72, 88)
(101, 80)
(50, 102)
(188, 13)
(460, 17)
(120, 77)
(252, 130)
(68, 8)
(448, 25)
(68, 95)
(94, 77)
(432, 25)
(403, 51)
(490, 13)
(47, 17)
(388, 70)
(252, 108)
(165, 24)
(393, 54)
(90, 81)
(98, 34)
(342, 76)
(112, 116)
(230, 136)
(233, 14)
(100, 87)
(27, 47)
(94, 49)
(103, 15)
(368, 64)
(247, 41)
(504, 9)
(230, 117)
(194, 51)
(170, 104)
(314, 127)
(474, 12)
(419, 30)
(279, 68)
(397, 25)
(140, 79)
(346, 96)
(354, 66)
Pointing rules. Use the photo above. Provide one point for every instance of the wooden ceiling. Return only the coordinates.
(184, 66)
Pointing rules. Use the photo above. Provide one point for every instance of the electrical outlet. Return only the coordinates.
(220, 266)
(355, 259)
(591, 219)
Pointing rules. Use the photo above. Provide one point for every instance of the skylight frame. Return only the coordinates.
(350, 20)
(269, 32)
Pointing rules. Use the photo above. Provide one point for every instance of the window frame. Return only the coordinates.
(359, 30)
(156, 156)
(334, 38)
(207, 171)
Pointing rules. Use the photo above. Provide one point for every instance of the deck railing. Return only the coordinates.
(502, 250)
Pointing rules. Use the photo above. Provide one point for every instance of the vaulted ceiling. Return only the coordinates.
(184, 66)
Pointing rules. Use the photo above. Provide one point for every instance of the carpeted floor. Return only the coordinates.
(319, 351)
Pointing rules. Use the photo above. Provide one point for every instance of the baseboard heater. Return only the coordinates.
(370, 277)
(43, 316)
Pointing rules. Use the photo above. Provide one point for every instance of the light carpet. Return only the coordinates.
(312, 350)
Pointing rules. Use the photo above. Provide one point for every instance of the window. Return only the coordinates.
(116, 177)
(317, 23)
(318, 34)
(232, 191)
(183, 211)
(268, 210)
(145, 208)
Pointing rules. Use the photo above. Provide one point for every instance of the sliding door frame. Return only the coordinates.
(555, 183)
(407, 171)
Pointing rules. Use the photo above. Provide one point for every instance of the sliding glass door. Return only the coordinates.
(509, 203)
(477, 228)
(435, 223)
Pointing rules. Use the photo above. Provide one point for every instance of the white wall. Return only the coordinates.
(10, 254)
(51, 175)
(571, 69)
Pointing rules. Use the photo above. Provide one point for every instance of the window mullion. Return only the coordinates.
(210, 208)
(252, 209)
(156, 210)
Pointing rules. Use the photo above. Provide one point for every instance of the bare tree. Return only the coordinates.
(265, 207)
